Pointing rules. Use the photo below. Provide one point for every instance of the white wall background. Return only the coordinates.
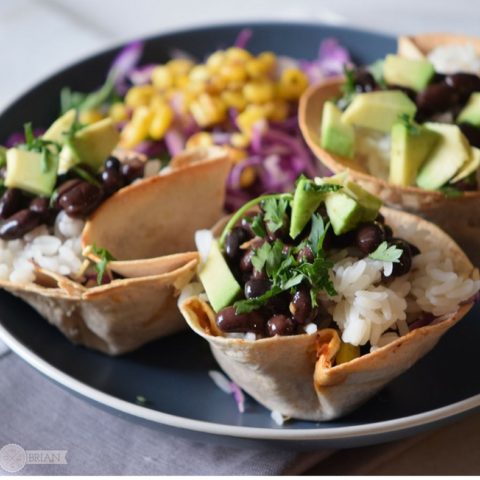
(38, 37)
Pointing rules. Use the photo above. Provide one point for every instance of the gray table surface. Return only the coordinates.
(40, 36)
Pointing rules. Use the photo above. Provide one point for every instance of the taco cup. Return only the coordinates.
(105, 278)
(380, 156)
(375, 315)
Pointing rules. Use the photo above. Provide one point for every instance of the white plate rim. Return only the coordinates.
(319, 434)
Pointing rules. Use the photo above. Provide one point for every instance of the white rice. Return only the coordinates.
(57, 249)
(455, 58)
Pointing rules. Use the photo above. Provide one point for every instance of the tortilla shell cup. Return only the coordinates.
(149, 228)
(295, 375)
(458, 216)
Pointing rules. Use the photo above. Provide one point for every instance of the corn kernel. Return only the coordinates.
(268, 60)
(247, 177)
(162, 77)
(237, 55)
(252, 115)
(199, 73)
(161, 121)
(157, 101)
(118, 112)
(293, 82)
(216, 84)
(216, 60)
(236, 155)
(346, 353)
(180, 66)
(200, 139)
(208, 110)
(259, 92)
(138, 128)
(256, 68)
(87, 117)
(139, 95)
(181, 81)
(239, 140)
(277, 110)
(233, 74)
(234, 99)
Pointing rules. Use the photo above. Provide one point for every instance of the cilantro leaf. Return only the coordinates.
(311, 186)
(275, 259)
(257, 226)
(386, 253)
(85, 175)
(317, 232)
(407, 121)
(275, 212)
(260, 256)
(101, 266)
(348, 88)
(251, 304)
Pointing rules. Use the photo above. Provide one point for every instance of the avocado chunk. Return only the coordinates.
(303, 205)
(378, 110)
(471, 112)
(336, 136)
(220, 285)
(469, 167)
(67, 159)
(350, 206)
(405, 72)
(3, 156)
(449, 155)
(60, 128)
(27, 171)
(411, 145)
(93, 144)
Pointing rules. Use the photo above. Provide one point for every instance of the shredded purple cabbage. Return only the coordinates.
(123, 65)
(238, 396)
(243, 38)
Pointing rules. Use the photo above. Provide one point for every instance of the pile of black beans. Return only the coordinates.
(21, 212)
(289, 312)
(445, 94)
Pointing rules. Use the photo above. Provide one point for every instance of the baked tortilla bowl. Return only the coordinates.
(296, 376)
(419, 46)
(153, 264)
(458, 216)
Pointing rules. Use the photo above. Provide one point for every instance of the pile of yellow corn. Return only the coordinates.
(232, 78)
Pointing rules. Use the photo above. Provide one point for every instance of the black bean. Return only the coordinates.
(414, 250)
(112, 163)
(341, 241)
(438, 77)
(472, 133)
(246, 261)
(19, 224)
(112, 180)
(259, 274)
(256, 287)
(11, 202)
(280, 325)
(301, 306)
(364, 81)
(370, 236)
(380, 218)
(464, 83)
(247, 226)
(63, 188)
(280, 234)
(234, 239)
(80, 200)
(388, 231)
(41, 205)
(466, 184)
(305, 255)
(132, 170)
(435, 98)
(404, 263)
(229, 321)
(279, 304)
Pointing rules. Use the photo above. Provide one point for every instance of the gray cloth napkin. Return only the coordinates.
(37, 414)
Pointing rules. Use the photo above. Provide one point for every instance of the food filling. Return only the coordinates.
(324, 257)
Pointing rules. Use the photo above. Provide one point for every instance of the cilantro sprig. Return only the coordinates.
(387, 253)
(101, 266)
(48, 149)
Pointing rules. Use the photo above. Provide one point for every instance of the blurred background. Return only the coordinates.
(41, 36)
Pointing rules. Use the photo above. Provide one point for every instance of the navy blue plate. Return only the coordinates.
(172, 373)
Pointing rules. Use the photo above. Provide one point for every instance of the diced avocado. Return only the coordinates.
(411, 145)
(471, 111)
(60, 128)
(450, 154)
(378, 110)
(405, 72)
(349, 206)
(220, 285)
(336, 136)
(3, 156)
(303, 205)
(470, 167)
(93, 144)
(26, 171)
(67, 159)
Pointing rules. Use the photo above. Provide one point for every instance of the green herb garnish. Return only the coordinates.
(311, 186)
(385, 253)
(407, 121)
(275, 212)
(85, 175)
(376, 69)
(450, 191)
(3, 156)
(101, 266)
(48, 149)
